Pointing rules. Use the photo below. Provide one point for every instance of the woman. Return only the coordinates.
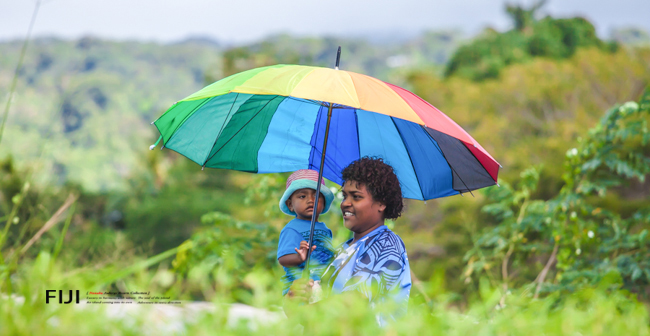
(374, 261)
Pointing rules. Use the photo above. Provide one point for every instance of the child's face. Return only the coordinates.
(302, 203)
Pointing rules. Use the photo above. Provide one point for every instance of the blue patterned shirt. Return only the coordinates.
(375, 265)
(291, 235)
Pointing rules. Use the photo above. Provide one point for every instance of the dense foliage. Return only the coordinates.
(576, 232)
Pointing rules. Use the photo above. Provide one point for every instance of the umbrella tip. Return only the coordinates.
(202, 167)
(152, 123)
(498, 185)
(163, 146)
(156, 144)
(338, 58)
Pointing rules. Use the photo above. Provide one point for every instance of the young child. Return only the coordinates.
(298, 200)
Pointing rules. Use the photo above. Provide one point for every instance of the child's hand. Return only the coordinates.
(302, 252)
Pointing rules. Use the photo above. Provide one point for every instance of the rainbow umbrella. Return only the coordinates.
(283, 118)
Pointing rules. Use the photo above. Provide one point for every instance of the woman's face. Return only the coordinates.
(360, 211)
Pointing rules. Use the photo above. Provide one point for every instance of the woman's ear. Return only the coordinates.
(382, 207)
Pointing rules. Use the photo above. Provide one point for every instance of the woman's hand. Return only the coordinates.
(298, 296)
(301, 290)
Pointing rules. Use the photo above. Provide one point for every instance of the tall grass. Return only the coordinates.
(23, 311)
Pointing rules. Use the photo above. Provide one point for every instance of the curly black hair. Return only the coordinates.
(380, 180)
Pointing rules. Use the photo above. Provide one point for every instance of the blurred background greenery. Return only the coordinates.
(561, 109)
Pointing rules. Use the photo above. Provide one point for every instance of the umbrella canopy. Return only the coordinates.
(273, 119)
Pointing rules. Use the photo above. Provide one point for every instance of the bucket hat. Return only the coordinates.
(300, 179)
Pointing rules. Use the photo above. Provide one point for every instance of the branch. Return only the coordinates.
(504, 266)
(51, 222)
(511, 248)
(542, 276)
(504, 274)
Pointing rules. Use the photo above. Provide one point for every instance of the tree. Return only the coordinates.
(521, 17)
(575, 239)
(487, 55)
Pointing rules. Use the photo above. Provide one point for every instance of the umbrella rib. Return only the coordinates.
(409, 154)
(307, 101)
(479, 161)
(450, 166)
(184, 119)
(234, 135)
(223, 126)
(475, 158)
(319, 102)
(356, 122)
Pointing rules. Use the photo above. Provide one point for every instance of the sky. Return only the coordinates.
(243, 21)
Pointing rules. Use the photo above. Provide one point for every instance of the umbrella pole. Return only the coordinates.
(318, 184)
(320, 177)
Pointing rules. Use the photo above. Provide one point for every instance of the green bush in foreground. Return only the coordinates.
(589, 311)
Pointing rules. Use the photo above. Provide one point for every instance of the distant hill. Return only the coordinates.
(82, 108)
(382, 56)
(633, 36)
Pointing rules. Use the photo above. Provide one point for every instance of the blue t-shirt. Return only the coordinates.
(291, 235)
